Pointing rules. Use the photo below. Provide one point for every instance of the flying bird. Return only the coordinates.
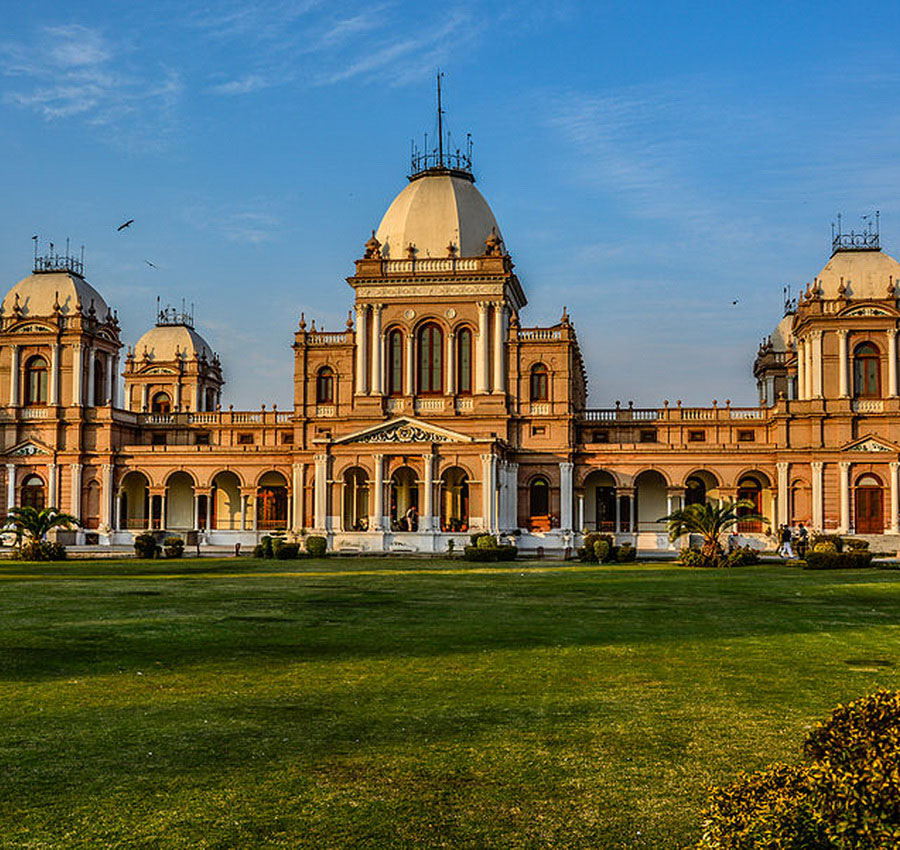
(736, 301)
(150, 264)
(123, 226)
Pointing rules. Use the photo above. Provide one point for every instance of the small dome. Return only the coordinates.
(866, 274)
(782, 335)
(39, 292)
(168, 342)
(437, 209)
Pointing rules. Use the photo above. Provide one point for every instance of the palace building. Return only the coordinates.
(439, 396)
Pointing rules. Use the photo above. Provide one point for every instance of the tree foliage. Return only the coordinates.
(711, 521)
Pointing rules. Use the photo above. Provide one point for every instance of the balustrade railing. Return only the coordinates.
(688, 414)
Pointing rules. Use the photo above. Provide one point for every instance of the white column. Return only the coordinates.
(54, 373)
(117, 518)
(426, 522)
(580, 498)
(895, 499)
(410, 365)
(361, 310)
(108, 390)
(210, 495)
(818, 476)
(481, 349)
(843, 366)
(75, 498)
(784, 496)
(451, 363)
(321, 495)
(297, 484)
(513, 479)
(376, 521)
(844, 493)
(618, 525)
(114, 382)
(817, 363)
(810, 385)
(106, 495)
(801, 361)
(376, 385)
(633, 505)
(244, 511)
(52, 486)
(196, 510)
(92, 358)
(565, 496)
(14, 375)
(145, 397)
(499, 348)
(10, 485)
(178, 396)
(488, 486)
(892, 362)
(503, 489)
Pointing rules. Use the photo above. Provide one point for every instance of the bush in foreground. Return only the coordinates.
(145, 546)
(173, 547)
(847, 797)
(316, 547)
(486, 549)
(742, 556)
(39, 550)
(855, 559)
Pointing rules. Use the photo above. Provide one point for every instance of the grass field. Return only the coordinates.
(404, 703)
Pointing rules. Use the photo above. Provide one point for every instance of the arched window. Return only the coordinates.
(33, 493)
(325, 386)
(210, 398)
(395, 362)
(161, 403)
(464, 361)
(99, 383)
(750, 490)
(36, 380)
(539, 504)
(694, 491)
(866, 371)
(430, 360)
(539, 382)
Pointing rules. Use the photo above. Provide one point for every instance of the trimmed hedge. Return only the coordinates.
(145, 546)
(173, 547)
(855, 559)
(39, 550)
(484, 555)
(316, 547)
(287, 551)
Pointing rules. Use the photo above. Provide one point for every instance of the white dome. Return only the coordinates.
(782, 335)
(39, 292)
(169, 342)
(433, 211)
(866, 274)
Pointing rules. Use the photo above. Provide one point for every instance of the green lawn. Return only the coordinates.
(411, 703)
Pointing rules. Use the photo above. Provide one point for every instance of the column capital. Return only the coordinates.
(321, 460)
(819, 465)
(378, 456)
(566, 464)
(428, 459)
(844, 332)
(297, 465)
(782, 465)
(895, 465)
(816, 334)
(482, 306)
(487, 457)
(377, 308)
(843, 464)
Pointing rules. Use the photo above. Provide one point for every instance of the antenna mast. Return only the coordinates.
(440, 122)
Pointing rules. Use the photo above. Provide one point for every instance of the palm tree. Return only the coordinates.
(28, 522)
(711, 520)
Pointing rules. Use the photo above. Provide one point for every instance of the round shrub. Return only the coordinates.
(476, 553)
(287, 551)
(835, 539)
(39, 550)
(824, 546)
(626, 553)
(486, 541)
(145, 546)
(268, 550)
(173, 547)
(601, 550)
(316, 547)
(692, 557)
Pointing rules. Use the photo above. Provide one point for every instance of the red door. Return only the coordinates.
(869, 510)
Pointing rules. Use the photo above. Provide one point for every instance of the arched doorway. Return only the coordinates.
(650, 491)
(539, 504)
(700, 487)
(90, 504)
(33, 494)
(272, 502)
(869, 510)
(600, 501)
(134, 505)
(750, 490)
(801, 502)
(356, 499)
(179, 501)
(226, 502)
(454, 500)
(161, 403)
(404, 497)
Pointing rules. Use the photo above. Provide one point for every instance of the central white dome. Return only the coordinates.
(435, 210)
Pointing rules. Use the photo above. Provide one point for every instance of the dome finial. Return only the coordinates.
(442, 158)
(373, 249)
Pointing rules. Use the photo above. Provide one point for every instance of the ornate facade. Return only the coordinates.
(437, 411)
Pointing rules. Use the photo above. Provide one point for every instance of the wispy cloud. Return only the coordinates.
(248, 225)
(74, 72)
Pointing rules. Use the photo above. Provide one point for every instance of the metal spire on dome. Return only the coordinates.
(53, 261)
(169, 315)
(443, 159)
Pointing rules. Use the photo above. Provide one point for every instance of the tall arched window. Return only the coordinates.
(99, 383)
(33, 493)
(36, 380)
(539, 382)
(430, 360)
(161, 403)
(464, 361)
(325, 386)
(539, 504)
(395, 362)
(866, 371)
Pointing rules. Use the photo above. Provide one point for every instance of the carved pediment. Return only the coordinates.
(868, 310)
(405, 430)
(870, 444)
(27, 449)
(33, 328)
(158, 370)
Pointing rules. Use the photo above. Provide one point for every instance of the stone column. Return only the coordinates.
(481, 349)
(178, 396)
(361, 310)
(10, 486)
(580, 498)
(499, 348)
(321, 495)
(565, 495)
(196, 519)
(895, 499)
(844, 493)
(14, 375)
(817, 363)
(488, 486)
(426, 521)
(376, 521)
(145, 397)
(52, 486)
(818, 470)
(451, 363)
(75, 499)
(117, 516)
(106, 496)
(808, 368)
(801, 361)
(244, 498)
(114, 382)
(784, 496)
(298, 485)
(109, 378)
(513, 480)
(376, 385)
(410, 364)
(210, 495)
(843, 366)
(892, 362)
(92, 359)
(54, 373)
(77, 373)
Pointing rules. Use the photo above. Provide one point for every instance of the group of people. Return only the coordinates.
(793, 537)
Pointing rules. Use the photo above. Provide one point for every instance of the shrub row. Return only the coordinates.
(855, 559)
(742, 556)
(276, 547)
(486, 548)
(602, 549)
(39, 550)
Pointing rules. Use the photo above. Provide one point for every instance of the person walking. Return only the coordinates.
(802, 540)
(786, 551)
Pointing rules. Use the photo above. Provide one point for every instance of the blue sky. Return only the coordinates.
(649, 163)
